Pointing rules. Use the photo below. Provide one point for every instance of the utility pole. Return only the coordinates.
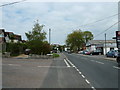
(49, 36)
(105, 44)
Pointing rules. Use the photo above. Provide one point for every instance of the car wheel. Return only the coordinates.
(113, 56)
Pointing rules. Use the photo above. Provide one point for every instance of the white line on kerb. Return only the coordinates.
(116, 67)
(66, 63)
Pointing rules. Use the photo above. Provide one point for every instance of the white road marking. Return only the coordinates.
(66, 63)
(77, 70)
(14, 65)
(97, 62)
(80, 73)
(83, 76)
(87, 81)
(70, 63)
(116, 67)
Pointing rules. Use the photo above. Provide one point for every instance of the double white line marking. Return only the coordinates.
(66, 63)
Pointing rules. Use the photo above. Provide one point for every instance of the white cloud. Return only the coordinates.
(62, 18)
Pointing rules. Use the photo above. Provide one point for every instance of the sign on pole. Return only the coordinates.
(118, 39)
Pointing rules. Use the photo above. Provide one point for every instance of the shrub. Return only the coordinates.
(38, 47)
(15, 48)
(55, 55)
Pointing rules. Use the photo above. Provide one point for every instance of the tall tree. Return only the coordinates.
(36, 33)
(78, 38)
(75, 39)
(88, 36)
(36, 40)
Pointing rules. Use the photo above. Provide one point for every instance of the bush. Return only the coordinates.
(55, 55)
(38, 47)
(15, 48)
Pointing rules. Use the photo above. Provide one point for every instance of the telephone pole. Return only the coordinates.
(49, 36)
(105, 44)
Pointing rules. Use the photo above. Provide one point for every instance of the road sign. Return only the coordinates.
(118, 39)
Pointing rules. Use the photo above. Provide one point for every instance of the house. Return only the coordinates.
(2, 40)
(100, 45)
(7, 37)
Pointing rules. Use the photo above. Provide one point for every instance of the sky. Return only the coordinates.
(62, 17)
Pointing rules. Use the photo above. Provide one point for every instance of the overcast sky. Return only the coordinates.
(61, 17)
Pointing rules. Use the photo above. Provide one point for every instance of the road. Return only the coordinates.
(38, 73)
(101, 73)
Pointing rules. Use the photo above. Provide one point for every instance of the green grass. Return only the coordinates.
(55, 55)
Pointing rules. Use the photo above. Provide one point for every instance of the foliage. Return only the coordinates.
(15, 48)
(36, 33)
(55, 55)
(36, 40)
(38, 47)
(88, 36)
(78, 38)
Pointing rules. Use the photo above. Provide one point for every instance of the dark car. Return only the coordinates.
(112, 53)
(27, 51)
(96, 52)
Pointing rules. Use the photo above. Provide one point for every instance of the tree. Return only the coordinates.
(36, 40)
(36, 33)
(78, 38)
(88, 36)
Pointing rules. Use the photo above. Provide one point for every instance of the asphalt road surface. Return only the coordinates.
(101, 73)
(47, 73)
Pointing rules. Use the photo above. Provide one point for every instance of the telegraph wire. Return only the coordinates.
(98, 20)
(107, 29)
(12, 3)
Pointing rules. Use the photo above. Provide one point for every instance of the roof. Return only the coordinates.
(101, 41)
(18, 37)
(2, 30)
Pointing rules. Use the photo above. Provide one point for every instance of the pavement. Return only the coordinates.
(21, 56)
(41, 73)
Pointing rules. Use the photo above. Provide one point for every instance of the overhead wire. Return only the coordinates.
(12, 3)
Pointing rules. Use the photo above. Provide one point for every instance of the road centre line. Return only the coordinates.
(80, 74)
(116, 67)
(97, 62)
(87, 81)
(66, 63)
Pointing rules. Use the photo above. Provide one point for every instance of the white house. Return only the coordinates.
(100, 45)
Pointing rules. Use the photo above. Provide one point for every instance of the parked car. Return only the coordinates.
(87, 53)
(96, 52)
(112, 53)
(27, 51)
(80, 52)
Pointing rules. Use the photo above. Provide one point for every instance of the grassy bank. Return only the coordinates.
(55, 55)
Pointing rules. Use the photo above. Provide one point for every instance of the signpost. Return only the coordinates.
(118, 46)
(118, 39)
